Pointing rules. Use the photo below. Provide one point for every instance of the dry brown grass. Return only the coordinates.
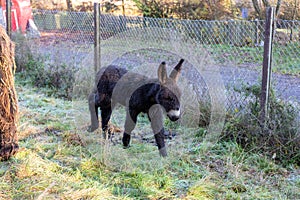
(8, 98)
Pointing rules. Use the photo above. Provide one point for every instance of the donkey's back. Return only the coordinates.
(107, 79)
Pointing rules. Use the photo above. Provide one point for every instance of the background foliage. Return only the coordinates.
(183, 9)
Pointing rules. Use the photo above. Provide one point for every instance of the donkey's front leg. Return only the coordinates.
(155, 115)
(130, 122)
(160, 141)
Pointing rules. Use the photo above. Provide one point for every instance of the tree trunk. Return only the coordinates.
(8, 99)
(266, 4)
(123, 7)
(69, 5)
(257, 8)
(278, 5)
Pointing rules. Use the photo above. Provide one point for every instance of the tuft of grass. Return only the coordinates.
(203, 189)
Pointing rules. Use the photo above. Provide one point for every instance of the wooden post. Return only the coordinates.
(97, 49)
(267, 63)
(8, 17)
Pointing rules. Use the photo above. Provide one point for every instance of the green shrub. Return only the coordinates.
(22, 51)
(42, 71)
(278, 138)
(57, 79)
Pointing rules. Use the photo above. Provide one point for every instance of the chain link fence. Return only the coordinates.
(231, 48)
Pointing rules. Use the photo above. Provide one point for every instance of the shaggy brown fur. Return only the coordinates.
(140, 95)
(8, 99)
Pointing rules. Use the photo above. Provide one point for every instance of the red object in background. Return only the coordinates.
(21, 12)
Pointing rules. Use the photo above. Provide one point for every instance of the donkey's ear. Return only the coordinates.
(176, 71)
(162, 73)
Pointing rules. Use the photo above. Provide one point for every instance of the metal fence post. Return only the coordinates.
(97, 47)
(256, 32)
(8, 17)
(267, 63)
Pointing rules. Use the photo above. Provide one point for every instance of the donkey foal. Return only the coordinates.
(139, 94)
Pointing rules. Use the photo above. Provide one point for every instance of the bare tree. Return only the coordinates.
(123, 7)
(260, 8)
(69, 5)
(295, 10)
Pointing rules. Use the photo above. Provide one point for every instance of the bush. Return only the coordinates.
(22, 51)
(57, 79)
(279, 138)
(40, 71)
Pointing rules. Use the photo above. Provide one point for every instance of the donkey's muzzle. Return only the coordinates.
(174, 115)
(173, 118)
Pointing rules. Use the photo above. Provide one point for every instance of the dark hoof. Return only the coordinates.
(163, 152)
(126, 139)
(92, 128)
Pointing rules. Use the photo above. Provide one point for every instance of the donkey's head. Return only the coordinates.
(169, 94)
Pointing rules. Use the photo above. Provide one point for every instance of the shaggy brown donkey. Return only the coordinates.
(139, 94)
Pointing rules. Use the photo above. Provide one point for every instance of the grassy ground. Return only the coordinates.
(285, 57)
(59, 159)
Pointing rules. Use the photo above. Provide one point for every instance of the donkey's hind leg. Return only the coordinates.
(105, 117)
(93, 107)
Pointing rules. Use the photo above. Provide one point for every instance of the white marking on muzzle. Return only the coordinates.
(174, 113)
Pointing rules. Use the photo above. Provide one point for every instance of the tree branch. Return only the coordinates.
(278, 6)
(256, 7)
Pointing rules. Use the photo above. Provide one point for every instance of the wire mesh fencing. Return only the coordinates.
(220, 55)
